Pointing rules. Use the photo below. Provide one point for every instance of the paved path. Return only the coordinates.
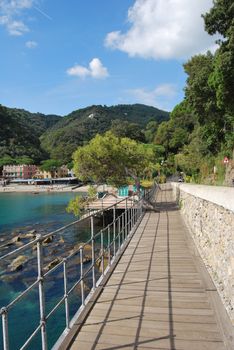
(157, 297)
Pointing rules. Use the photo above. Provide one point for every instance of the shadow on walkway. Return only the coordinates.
(159, 206)
(158, 301)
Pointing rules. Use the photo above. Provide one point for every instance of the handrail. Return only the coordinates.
(47, 235)
(115, 233)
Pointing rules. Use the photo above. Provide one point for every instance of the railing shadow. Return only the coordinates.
(164, 206)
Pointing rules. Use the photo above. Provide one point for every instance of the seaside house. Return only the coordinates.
(22, 171)
(42, 174)
(57, 173)
(61, 171)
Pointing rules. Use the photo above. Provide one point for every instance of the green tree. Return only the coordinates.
(7, 160)
(50, 165)
(200, 96)
(183, 117)
(109, 159)
(122, 128)
(174, 134)
(77, 205)
(24, 160)
(220, 20)
(163, 135)
(150, 131)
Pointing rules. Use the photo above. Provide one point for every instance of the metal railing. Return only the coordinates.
(104, 246)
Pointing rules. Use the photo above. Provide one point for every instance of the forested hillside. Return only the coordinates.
(33, 137)
(82, 125)
(19, 134)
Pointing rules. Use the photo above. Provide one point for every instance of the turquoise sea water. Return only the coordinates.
(43, 212)
(22, 209)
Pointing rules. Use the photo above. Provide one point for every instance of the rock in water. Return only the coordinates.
(18, 263)
(52, 264)
(30, 234)
(48, 240)
(87, 249)
(87, 259)
(61, 240)
(16, 239)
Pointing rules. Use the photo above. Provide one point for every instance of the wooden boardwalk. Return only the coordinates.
(159, 296)
(110, 200)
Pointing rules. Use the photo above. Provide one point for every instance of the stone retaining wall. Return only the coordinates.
(212, 227)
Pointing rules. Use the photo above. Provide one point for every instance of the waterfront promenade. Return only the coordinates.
(159, 296)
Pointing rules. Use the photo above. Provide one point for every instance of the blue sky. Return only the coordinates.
(61, 55)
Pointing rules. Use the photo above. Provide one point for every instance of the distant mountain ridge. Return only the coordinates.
(42, 136)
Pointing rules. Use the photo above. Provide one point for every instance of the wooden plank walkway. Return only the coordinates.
(158, 296)
(110, 200)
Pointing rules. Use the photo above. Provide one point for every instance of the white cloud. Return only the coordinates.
(10, 13)
(95, 70)
(10, 6)
(78, 71)
(159, 97)
(16, 28)
(31, 44)
(164, 29)
(166, 90)
(13, 27)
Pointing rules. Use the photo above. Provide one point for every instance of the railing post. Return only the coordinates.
(137, 206)
(126, 218)
(137, 211)
(122, 231)
(119, 232)
(102, 250)
(81, 275)
(129, 219)
(65, 293)
(131, 216)
(114, 229)
(93, 253)
(108, 244)
(135, 214)
(41, 292)
(5, 333)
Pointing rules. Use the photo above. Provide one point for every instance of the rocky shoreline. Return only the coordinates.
(23, 266)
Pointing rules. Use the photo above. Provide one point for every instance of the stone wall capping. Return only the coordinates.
(220, 195)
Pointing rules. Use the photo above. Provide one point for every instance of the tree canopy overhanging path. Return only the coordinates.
(159, 296)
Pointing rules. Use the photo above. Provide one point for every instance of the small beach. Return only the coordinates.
(48, 188)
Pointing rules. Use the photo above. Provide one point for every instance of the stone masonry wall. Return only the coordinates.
(212, 228)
